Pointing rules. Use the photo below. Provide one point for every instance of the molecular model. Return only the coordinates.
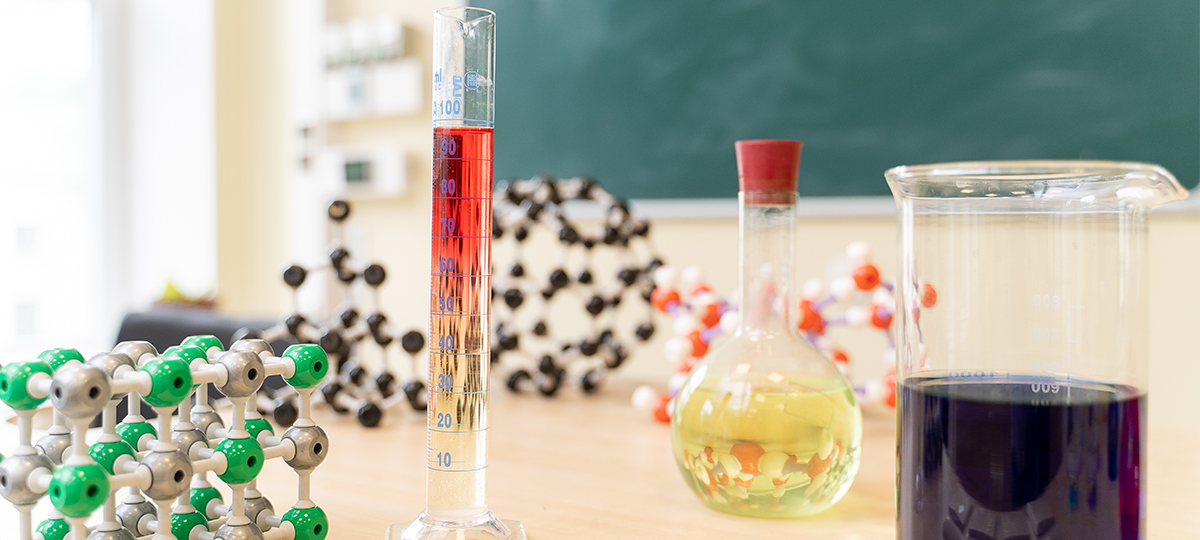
(341, 336)
(155, 465)
(546, 357)
(701, 317)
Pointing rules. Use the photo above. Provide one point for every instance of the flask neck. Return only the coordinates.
(767, 226)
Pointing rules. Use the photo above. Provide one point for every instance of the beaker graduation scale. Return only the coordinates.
(464, 58)
(1022, 398)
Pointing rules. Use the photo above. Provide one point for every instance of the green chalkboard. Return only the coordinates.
(648, 96)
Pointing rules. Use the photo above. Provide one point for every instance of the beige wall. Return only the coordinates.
(252, 137)
(252, 169)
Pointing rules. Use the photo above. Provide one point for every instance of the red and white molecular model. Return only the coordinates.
(701, 318)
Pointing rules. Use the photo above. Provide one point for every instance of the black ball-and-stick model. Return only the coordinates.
(350, 387)
(536, 351)
(539, 355)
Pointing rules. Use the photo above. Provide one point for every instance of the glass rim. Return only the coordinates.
(453, 11)
(1050, 173)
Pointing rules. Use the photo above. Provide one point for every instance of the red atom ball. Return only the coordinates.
(881, 318)
(840, 356)
(866, 277)
(699, 347)
(712, 315)
(660, 412)
(928, 296)
(662, 298)
(810, 320)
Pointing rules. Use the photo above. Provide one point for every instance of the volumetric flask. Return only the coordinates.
(765, 426)
(1022, 396)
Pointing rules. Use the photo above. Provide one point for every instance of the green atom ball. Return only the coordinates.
(132, 432)
(183, 524)
(106, 453)
(14, 384)
(54, 529)
(78, 490)
(203, 342)
(311, 365)
(200, 499)
(186, 352)
(57, 358)
(310, 523)
(243, 460)
(170, 381)
(258, 425)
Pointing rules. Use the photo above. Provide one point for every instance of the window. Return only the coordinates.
(49, 188)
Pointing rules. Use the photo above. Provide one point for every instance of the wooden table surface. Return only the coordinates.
(593, 467)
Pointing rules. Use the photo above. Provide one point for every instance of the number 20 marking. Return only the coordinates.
(443, 420)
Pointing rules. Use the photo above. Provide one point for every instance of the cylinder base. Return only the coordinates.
(486, 527)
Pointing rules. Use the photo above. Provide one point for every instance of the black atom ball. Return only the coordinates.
(331, 342)
(357, 374)
(539, 329)
(550, 384)
(611, 235)
(294, 276)
(349, 317)
(585, 277)
(588, 347)
(338, 210)
(628, 276)
(386, 384)
(412, 391)
(285, 413)
(590, 382)
(514, 298)
(595, 305)
(517, 270)
(568, 235)
(559, 278)
(294, 322)
(374, 275)
(644, 331)
(370, 415)
(509, 342)
(517, 379)
(521, 233)
(413, 342)
(534, 211)
(338, 256)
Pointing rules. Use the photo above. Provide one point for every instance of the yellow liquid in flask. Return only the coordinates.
(784, 447)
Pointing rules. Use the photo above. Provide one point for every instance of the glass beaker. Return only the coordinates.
(765, 425)
(1022, 396)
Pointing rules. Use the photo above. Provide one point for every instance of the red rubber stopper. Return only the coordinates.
(768, 164)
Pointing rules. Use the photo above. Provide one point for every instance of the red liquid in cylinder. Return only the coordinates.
(459, 308)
